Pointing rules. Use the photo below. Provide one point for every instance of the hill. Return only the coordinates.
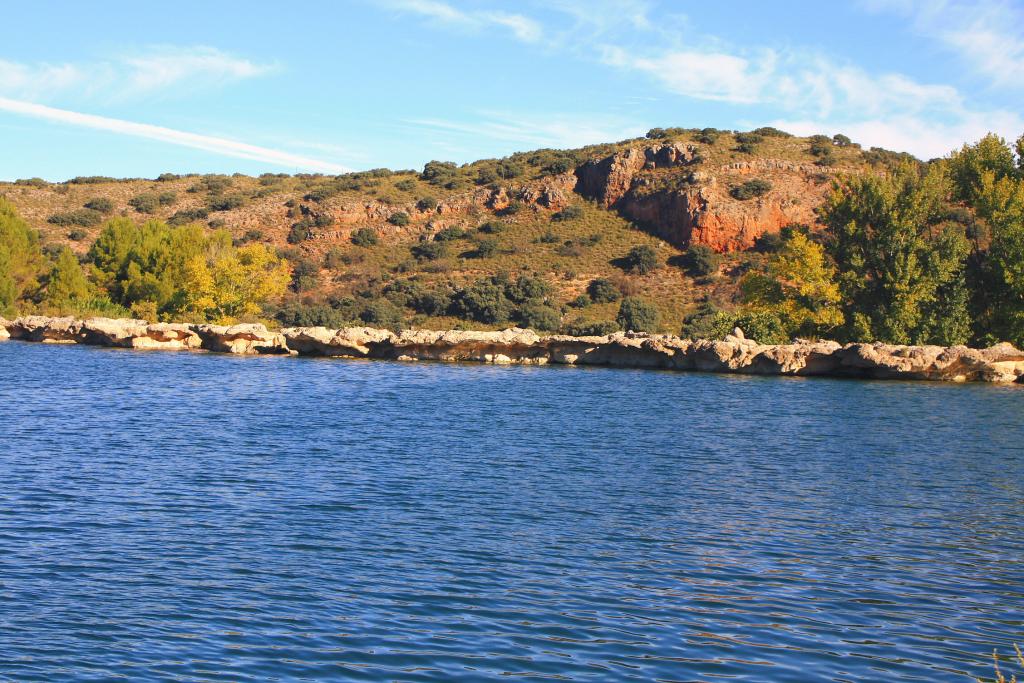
(562, 218)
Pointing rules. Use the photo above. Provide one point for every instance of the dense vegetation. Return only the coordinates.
(911, 252)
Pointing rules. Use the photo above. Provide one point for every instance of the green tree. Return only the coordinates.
(896, 263)
(67, 289)
(21, 259)
(638, 315)
(642, 259)
(798, 287)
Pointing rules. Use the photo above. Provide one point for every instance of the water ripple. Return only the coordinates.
(192, 517)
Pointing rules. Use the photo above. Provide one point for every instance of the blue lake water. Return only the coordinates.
(195, 517)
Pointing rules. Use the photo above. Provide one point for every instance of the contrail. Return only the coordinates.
(231, 148)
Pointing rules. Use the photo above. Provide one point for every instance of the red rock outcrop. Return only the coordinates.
(666, 189)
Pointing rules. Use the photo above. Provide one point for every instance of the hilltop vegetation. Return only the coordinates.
(685, 230)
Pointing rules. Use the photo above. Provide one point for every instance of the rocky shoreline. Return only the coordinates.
(1002, 363)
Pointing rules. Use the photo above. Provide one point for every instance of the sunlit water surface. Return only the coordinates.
(192, 517)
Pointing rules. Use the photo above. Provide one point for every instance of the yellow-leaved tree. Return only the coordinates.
(229, 284)
(798, 287)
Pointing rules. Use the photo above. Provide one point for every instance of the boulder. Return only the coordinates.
(245, 338)
(40, 328)
(351, 342)
(4, 334)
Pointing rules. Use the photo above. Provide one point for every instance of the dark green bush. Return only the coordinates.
(450, 234)
(226, 203)
(145, 203)
(484, 302)
(486, 176)
(707, 136)
(299, 232)
(405, 185)
(559, 166)
(539, 316)
(701, 260)
(101, 204)
(399, 218)
(86, 218)
(438, 172)
(508, 169)
(364, 237)
(77, 235)
(487, 248)
(382, 313)
(840, 140)
(426, 204)
(638, 315)
(770, 132)
(642, 259)
(525, 288)
(582, 301)
(602, 291)
(165, 177)
(657, 134)
(429, 251)
(569, 213)
(583, 328)
(750, 189)
(492, 227)
(188, 216)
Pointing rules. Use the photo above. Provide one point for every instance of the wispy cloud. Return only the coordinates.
(987, 34)
(522, 27)
(538, 130)
(154, 70)
(818, 94)
(206, 143)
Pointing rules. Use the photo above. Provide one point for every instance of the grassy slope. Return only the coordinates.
(266, 211)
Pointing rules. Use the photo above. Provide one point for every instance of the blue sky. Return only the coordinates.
(136, 89)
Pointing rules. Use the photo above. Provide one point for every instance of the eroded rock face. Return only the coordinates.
(4, 334)
(735, 354)
(696, 207)
(244, 338)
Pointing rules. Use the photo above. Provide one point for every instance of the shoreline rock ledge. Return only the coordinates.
(735, 354)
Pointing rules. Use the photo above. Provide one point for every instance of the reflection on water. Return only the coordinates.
(206, 518)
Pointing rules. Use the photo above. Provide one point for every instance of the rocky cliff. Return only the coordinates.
(1002, 363)
(670, 190)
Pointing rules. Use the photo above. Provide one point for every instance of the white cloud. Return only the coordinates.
(539, 130)
(522, 27)
(987, 34)
(206, 143)
(158, 69)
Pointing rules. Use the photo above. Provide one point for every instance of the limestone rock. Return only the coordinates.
(245, 338)
(4, 334)
(40, 328)
(352, 342)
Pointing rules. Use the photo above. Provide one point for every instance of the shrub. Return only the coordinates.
(748, 138)
(399, 218)
(429, 251)
(508, 169)
(86, 218)
(642, 259)
(187, 216)
(707, 136)
(768, 243)
(770, 132)
(701, 260)
(657, 134)
(450, 234)
(492, 227)
(382, 313)
(438, 172)
(583, 328)
(526, 288)
(299, 232)
(484, 302)
(513, 208)
(364, 237)
(840, 140)
(431, 302)
(569, 213)
(145, 203)
(297, 314)
(212, 184)
(750, 189)
(638, 315)
(486, 176)
(603, 291)
(582, 301)
(32, 182)
(569, 249)
(539, 316)
(77, 235)
(487, 248)
(101, 204)
(335, 259)
(559, 166)
(549, 238)
(426, 204)
(405, 184)
(91, 180)
(305, 274)
(165, 177)
(226, 203)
